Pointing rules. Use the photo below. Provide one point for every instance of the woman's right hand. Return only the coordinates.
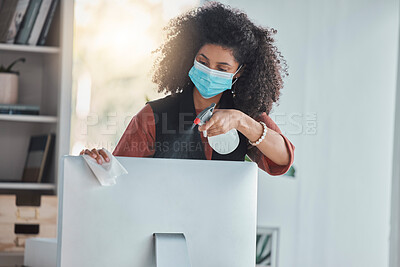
(98, 154)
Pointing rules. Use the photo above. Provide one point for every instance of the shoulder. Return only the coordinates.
(165, 103)
(145, 112)
(144, 117)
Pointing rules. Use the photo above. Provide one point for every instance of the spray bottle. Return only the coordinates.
(222, 143)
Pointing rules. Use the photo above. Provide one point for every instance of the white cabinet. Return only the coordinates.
(45, 80)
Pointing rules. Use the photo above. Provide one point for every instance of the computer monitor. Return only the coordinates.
(213, 203)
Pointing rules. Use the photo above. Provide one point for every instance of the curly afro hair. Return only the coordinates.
(214, 23)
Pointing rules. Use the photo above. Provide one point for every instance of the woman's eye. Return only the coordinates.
(205, 64)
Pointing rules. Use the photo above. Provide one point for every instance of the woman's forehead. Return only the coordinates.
(217, 53)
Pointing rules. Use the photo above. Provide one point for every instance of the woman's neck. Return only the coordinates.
(202, 103)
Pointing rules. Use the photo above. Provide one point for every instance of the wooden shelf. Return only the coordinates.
(30, 48)
(28, 118)
(27, 186)
(12, 253)
(11, 258)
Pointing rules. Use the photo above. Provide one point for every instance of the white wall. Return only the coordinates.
(277, 198)
(342, 58)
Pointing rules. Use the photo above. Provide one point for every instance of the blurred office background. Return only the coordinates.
(338, 107)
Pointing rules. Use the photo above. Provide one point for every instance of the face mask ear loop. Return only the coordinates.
(235, 74)
(235, 80)
(238, 69)
(233, 90)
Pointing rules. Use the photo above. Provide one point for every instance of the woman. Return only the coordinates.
(213, 54)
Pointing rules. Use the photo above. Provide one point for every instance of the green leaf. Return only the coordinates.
(264, 258)
(291, 172)
(259, 257)
(266, 240)
(247, 158)
(8, 69)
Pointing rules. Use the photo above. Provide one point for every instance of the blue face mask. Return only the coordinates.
(210, 82)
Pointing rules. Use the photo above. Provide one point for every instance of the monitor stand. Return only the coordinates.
(171, 250)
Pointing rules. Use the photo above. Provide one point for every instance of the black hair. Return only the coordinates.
(260, 82)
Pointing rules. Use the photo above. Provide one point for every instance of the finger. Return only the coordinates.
(214, 127)
(207, 125)
(82, 152)
(91, 153)
(104, 154)
(98, 157)
(215, 132)
(88, 152)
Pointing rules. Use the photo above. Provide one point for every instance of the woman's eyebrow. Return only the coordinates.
(222, 63)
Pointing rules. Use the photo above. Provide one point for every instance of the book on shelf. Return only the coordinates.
(47, 23)
(26, 22)
(6, 13)
(16, 20)
(40, 151)
(19, 109)
(39, 23)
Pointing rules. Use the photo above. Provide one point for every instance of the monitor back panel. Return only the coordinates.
(214, 203)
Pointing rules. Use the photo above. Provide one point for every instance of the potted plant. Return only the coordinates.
(9, 83)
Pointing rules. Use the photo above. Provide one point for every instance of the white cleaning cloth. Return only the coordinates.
(107, 172)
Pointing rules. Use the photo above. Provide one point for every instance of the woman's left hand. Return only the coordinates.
(222, 121)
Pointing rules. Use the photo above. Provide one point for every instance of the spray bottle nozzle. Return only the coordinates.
(204, 116)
